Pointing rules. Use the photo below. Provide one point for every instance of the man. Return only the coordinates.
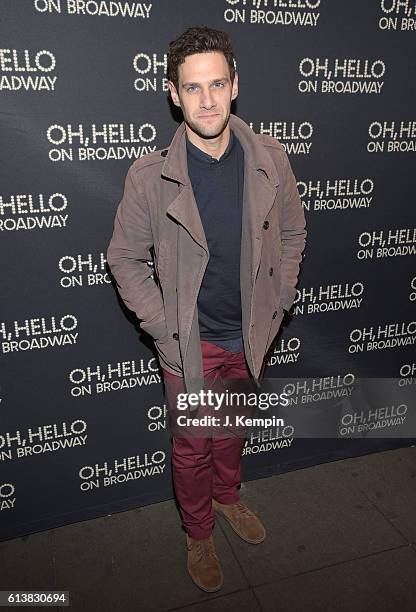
(221, 211)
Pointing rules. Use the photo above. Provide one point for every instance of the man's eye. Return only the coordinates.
(192, 88)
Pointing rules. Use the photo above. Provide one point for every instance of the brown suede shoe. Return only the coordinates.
(203, 564)
(244, 522)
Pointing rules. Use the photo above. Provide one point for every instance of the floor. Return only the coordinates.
(341, 537)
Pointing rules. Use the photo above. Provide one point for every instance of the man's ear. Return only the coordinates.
(234, 92)
(173, 93)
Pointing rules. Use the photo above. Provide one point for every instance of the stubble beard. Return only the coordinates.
(207, 131)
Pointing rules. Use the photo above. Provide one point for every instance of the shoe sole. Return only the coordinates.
(237, 532)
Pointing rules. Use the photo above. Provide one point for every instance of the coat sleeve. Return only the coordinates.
(293, 235)
(127, 254)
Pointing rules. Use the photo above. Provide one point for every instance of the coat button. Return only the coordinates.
(274, 314)
(265, 225)
(175, 336)
(271, 272)
(164, 153)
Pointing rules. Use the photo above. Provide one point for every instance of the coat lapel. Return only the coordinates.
(184, 207)
(185, 210)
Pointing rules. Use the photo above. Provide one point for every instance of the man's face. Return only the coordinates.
(205, 93)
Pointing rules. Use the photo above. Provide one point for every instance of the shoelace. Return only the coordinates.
(205, 548)
(243, 510)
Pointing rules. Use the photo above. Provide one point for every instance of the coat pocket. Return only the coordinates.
(161, 260)
(168, 351)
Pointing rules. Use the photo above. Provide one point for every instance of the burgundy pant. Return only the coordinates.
(206, 467)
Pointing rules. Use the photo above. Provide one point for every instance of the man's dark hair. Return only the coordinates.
(198, 39)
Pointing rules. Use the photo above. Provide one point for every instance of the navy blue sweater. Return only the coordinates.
(218, 189)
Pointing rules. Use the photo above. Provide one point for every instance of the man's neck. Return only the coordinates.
(212, 146)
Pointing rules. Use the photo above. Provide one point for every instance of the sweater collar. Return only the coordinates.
(200, 155)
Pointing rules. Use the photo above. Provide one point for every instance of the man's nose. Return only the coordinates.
(207, 99)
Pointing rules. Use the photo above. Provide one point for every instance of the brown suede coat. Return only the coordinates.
(158, 209)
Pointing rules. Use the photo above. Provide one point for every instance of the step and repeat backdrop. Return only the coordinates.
(83, 418)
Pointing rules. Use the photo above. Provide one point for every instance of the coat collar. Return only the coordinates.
(175, 165)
